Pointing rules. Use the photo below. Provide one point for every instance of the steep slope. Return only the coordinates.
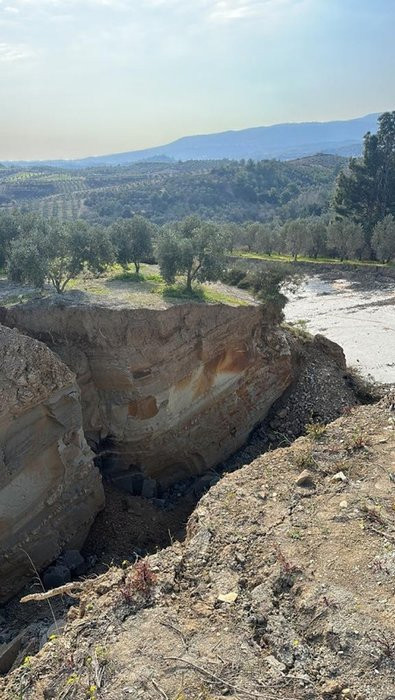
(282, 589)
(50, 490)
(167, 393)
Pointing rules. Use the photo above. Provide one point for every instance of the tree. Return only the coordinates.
(315, 241)
(366, 191)
(295, 237)
(13, 225)
(336, 239)
(249, 235)
(132, 239)
(383, 239)
(346, 239)
(192, 248)
(93, 243)
(267, 284)
(231, 234)
(354, 239)
(57, 253)
(264, 238)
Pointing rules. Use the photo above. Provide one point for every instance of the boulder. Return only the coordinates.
(50, 490)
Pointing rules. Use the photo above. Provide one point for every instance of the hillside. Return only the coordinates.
(282, 589)
(225, 190)
(280, 141)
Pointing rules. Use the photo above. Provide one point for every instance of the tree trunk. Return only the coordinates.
(189, 280)
(137, 266)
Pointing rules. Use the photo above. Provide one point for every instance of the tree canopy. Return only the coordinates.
(132, 240)
(192, 248)
(366, 191)
(58, 252)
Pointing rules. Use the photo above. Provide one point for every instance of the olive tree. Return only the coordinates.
(57, 253)
(383, 239)
(132, 239)
(192, 248)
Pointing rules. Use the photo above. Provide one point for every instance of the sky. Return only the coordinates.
(88, 77)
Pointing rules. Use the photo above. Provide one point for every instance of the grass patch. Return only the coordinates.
(304, 258)
(201, 294)
(128, 276)
(21, 298)
(315, 431)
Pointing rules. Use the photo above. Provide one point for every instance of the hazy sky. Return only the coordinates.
(84, 77)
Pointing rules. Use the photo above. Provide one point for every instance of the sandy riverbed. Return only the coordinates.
(360, 319)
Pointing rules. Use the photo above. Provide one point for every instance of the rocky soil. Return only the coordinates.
(283, 588)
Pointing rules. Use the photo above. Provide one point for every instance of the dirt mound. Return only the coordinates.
(282, 589)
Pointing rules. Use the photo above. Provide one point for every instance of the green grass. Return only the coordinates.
(20, 298)
(150, 281)
(303, 258)
(202, 294)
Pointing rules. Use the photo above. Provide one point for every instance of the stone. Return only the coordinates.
(305, 479)
(149, 488)
(228, 597)
(332, 350)
(9, 653)
(331, 689)
(343, 504)
(50, 489)
(275, 664)
(340, 476)
(72, 559)
(282, 413)
(56, 576)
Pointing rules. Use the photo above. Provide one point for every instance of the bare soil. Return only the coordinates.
(283, 588)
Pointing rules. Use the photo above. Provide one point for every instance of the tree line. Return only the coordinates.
(361, 225)
(315, 237)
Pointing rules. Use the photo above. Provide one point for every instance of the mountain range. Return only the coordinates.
(279, 141)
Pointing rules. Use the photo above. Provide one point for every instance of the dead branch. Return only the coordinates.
(67, 589)
(159, 689)
(387, 536)
(222, 681)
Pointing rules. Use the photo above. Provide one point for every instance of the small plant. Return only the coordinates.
(295, 535)
(91, 692)
(305, 460)
(315, 431)
(141, 581)
(358, 441)
(143, 578)
(372, 513)
(286, 566)
(384, 646)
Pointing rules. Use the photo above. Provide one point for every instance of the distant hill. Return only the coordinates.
(227, 190)
(280, 141)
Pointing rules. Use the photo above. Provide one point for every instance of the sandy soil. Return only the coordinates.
(361, 320)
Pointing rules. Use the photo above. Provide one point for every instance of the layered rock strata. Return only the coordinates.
(168, 393)
(50, 490)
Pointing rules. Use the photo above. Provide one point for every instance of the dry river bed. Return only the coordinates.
(360, 319)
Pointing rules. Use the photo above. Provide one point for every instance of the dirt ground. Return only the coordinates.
(283, 588)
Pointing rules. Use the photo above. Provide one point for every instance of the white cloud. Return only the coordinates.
(268, 10)
(9, 53)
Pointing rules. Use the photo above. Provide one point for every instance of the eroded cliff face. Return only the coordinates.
(166, 392)
(50, 490)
